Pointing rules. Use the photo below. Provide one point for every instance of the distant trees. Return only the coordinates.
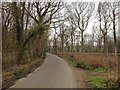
(72, 30)
(55, 38)
(72, 34)
(107, 14)
(89, 42)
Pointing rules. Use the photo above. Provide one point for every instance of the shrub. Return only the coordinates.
(84, 66)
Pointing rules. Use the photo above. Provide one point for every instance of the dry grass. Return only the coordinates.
(109, 62)
(10, 59)
(16, 70)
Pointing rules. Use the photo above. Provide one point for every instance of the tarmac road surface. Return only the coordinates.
(54, 73)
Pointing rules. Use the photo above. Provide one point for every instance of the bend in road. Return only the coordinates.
(54, 73)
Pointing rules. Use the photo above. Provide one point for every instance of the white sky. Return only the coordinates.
(69, 1)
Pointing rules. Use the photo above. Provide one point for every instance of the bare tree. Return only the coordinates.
(6, 24)
(42, 12)
(72, 36)
(80, 14)
(104, 20)
(98, 38)
(55, 41)
(114, 18)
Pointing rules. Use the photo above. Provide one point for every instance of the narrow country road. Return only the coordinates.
(54, 73)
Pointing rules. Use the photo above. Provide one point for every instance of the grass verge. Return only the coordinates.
(86, 66)
(97, 82)
(99, 76)
(17, 72)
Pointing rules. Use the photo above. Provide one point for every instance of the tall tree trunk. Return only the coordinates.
(62, 44)
(18, 31)
(82, 42)
(55, 45)
(71, 42)
(105, 44)
(114, 34)
(99, 46)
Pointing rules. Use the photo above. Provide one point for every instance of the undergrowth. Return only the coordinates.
(17, 70)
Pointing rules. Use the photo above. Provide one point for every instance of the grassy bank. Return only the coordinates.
(102, 70)
(18, 71)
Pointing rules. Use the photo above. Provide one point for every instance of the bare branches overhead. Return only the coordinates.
(80, 13)
(44, 10)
